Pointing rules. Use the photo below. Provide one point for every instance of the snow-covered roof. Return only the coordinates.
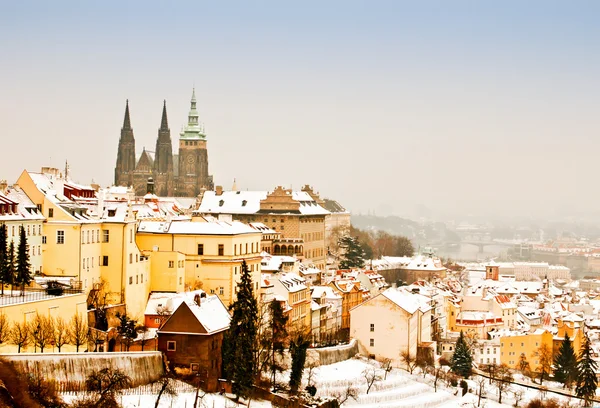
(25, 208)
(167, 302)
(327, 291)
(291, 281)
(408, 301)
(195, 228)
(248, 202)
(211, 313)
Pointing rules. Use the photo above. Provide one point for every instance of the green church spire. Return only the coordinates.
(192, 130)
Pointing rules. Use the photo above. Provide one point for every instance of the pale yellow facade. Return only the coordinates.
(92, 250)
(386, 330)
(213, 261)
(167, 271)
(511, 348)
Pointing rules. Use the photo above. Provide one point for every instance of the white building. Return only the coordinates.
(394, 322)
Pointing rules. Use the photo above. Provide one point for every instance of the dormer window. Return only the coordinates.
(221, 202)
(244, 202)
(112, 213)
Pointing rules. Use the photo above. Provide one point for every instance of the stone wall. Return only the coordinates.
(70, 370)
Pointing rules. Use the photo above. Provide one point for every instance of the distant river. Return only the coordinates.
(464, 252)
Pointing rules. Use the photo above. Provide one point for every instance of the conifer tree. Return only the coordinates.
(23, 276)
(11, 265)
(587, 382)
(240, 340)
(353, 254)
(298, 347)
(565, 363)
(3, 255)
(461, 362)
(278, 322)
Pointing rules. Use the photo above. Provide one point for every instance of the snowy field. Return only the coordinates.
(399, 390)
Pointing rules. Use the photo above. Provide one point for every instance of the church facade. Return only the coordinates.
(182, 175)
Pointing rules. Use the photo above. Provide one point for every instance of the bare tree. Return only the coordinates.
(438, 372)
(144, 335)
(481, 390)
(518, 395)
(41, 331)
(343, 396)
(371, 377)
(503, 379)
(167, 387)
(424, 359)
(544, 356)
(4, 328)
(409, 360)
(61, 334)
(490, 369)
(107, 383)
(19, 335)
(310, 366)
(95, 337)
(78, 331)
(386, 366)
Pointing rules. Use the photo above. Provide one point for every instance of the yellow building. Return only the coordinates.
(293, 290)
(16, 211)
(88, 241)
(213, 251)
(296, 215)
(511, 348)
(571, 325)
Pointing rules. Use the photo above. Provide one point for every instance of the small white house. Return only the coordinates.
(392, 323)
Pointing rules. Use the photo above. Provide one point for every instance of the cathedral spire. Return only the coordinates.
(164, 124)
(127, 121)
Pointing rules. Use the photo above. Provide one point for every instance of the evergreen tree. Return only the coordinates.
(461, 362)
(353, 254)
(23, 276)
(278, 322)
(240, 340)
(11, 265)
(587, 382)
(298, 347)
(3, 255)
(565, 363)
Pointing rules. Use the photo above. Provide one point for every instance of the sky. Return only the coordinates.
(392, 107)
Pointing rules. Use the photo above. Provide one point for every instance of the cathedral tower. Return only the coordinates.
(126, 153)
(163, 158)
(193, 156)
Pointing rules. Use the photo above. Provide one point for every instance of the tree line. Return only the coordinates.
(374, 243)
(569, 368)
(43, 332)
(15, 268)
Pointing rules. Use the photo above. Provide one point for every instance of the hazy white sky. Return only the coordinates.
(460, 106)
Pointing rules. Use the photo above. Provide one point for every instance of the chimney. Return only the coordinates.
(150, 186)
(219, 190)
(3, 186)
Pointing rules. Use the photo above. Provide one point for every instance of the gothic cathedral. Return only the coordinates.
(182, 175)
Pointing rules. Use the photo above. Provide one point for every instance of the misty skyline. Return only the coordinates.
(460, 107)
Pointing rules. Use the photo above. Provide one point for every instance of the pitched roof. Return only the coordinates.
(211, 316)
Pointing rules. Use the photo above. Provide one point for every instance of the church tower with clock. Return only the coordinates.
(193, 157)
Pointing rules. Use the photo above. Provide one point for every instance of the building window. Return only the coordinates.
(246, 248)
(157, 320)
(200, 249)
(141, 278)
(221, 290)
(372, 342)
(43, 239)
(130, 258)
(50, 212)
(88, 237)
(170, 346)
(372, 327)
(171, 264)
(222, 249)
(131, 236)
(130, 280)
(235, 270)
(105, 236)
(60, 237)
(105, 260)
(180, 280)
(137, 279)
(235, 249)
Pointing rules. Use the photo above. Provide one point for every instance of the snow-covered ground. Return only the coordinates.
(400, 389)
